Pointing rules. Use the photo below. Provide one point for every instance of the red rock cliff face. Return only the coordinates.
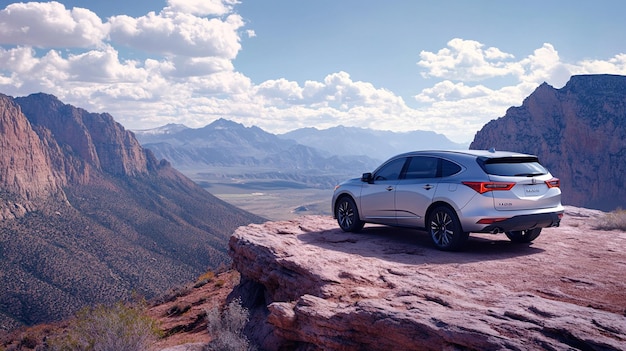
(87, 142)
(579, 134)
(46, 145)
(25, 168)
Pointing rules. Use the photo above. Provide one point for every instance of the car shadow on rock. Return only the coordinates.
(411, 246)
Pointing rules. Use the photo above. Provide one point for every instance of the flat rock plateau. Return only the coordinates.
(310, 286)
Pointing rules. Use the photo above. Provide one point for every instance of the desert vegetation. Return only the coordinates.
(175, 318)
(120, 327)
(612, 220)
(227, 328)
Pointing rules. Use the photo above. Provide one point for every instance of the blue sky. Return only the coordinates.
(446, 66)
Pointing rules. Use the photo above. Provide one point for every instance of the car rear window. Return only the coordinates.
(512, 166)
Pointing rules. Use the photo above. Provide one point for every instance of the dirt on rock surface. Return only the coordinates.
(388, 287)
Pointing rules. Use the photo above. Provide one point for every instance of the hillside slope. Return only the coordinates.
(579, 134)
(90, 216)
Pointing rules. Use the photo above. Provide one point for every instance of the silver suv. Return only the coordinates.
(453, 193)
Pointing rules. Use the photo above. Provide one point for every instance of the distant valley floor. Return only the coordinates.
(272, 199)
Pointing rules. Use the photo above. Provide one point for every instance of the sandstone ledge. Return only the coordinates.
(310, 286)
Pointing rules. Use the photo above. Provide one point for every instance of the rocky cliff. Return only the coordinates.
(94, 140)
(579, 134)
(88, 216)
(47, 145)
(26, 173)
(310, 286)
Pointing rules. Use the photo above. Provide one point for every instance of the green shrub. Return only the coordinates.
(226, 328)
(108, 328)
(612, 220)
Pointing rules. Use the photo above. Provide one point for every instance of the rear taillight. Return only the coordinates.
(553, 183)
(483, 187)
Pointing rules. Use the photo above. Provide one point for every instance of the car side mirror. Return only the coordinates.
(366, 177)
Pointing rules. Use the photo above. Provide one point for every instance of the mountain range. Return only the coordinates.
(89, 216)
(308, 156)
(377, 144)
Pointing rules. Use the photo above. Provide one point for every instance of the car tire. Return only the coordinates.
(523, 236)
(347, 215)
(445, 229)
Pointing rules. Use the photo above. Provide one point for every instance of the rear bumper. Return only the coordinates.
(524, 222)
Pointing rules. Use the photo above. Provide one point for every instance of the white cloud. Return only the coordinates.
(199, 66)
(201, 7)
(615, 65)
(179, 34)
(465, 60)
(544, 65)
(30, 73)
(450, 91)
(280, 90)
(19, 60)
(51, 25)
(103, 67)
(226, 85)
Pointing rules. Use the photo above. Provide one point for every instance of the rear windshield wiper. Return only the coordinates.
(529, 174)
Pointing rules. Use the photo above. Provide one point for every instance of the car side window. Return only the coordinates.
(391, 170)
(422, 167)
(449, 168)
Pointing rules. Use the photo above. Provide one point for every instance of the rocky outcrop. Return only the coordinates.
(579, 134)
(309, 286)
(25, 168)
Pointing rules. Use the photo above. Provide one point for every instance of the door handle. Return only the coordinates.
(389, 188)
(428, 187)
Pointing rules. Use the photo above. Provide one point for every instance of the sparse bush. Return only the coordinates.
(177, 310)
(612, 220)
(108, 328)
(226, 328)
(208, 275)
(204, 279)
(28, 342)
